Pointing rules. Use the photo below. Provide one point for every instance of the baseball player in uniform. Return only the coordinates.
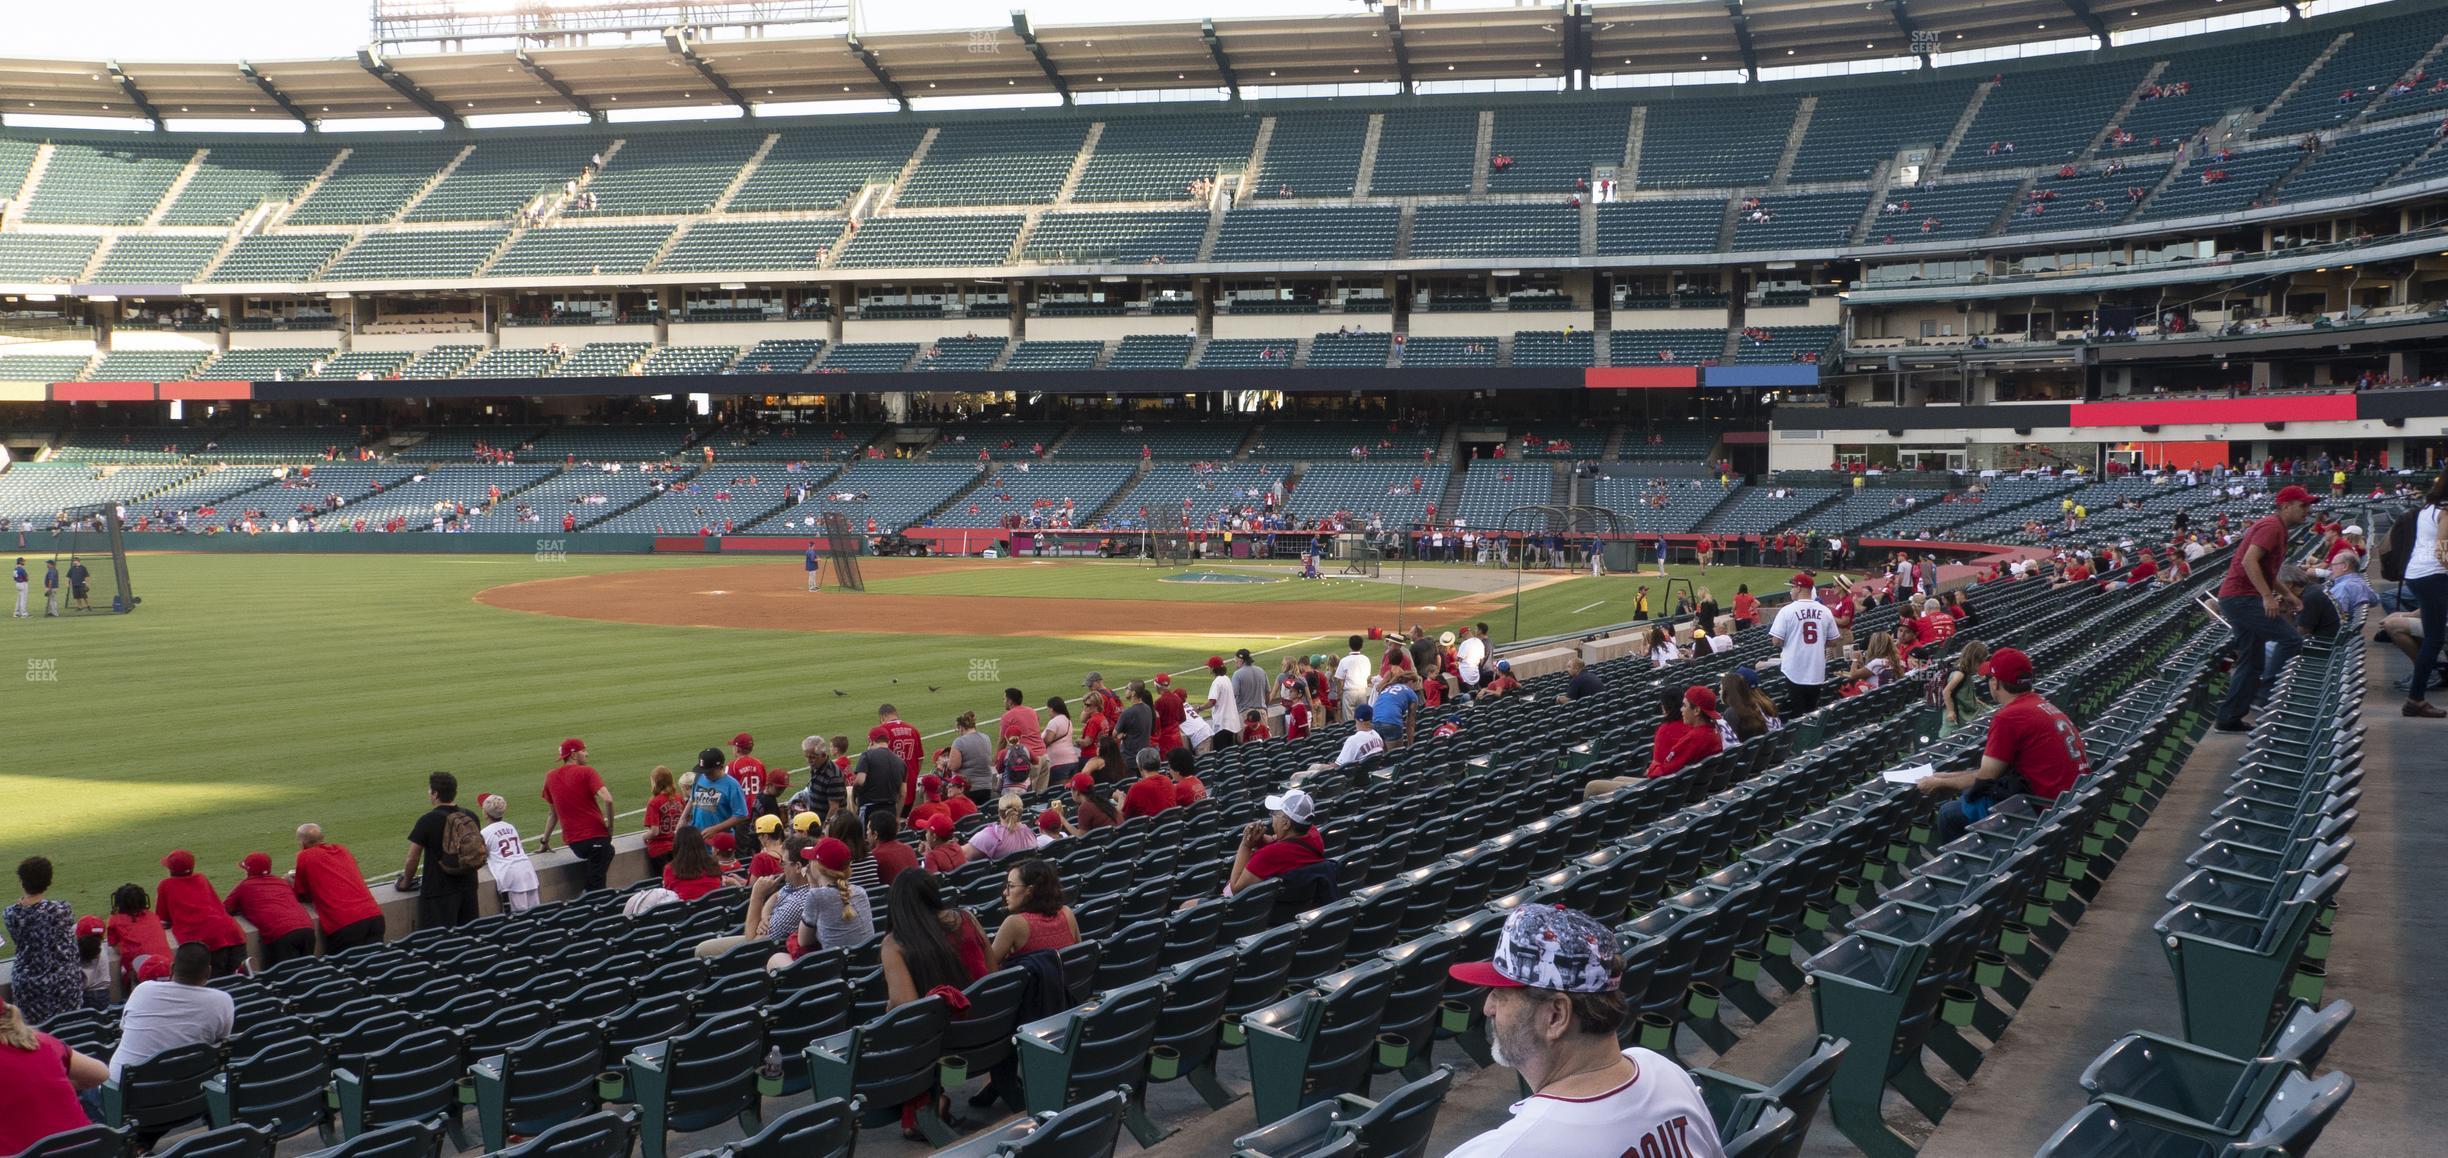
(18, 575)
(815, 568)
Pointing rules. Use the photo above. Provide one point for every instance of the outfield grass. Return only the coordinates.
(1074, 579)
(254, 692)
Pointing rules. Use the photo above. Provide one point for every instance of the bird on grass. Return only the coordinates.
(839, 692)
(933, 688)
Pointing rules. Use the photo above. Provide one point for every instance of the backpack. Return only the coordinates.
(463, 846)
(2397, 547)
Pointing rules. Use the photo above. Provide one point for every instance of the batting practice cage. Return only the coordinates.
(842, 546)
(1168, 543)
(94, 537)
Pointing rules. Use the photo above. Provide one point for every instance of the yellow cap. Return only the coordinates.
(805, 821)
(768, 823)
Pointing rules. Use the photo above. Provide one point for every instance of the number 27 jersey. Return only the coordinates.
(1805, 626)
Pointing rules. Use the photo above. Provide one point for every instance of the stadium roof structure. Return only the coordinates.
(1572, 43)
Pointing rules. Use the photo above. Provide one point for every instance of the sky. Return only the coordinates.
(294, 29)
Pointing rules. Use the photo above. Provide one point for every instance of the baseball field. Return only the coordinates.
(254, 692)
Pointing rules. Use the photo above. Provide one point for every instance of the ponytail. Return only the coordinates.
(14, 1032)
(849, 911)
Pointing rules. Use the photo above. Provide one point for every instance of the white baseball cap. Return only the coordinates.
(2351, 531)
(1294, 804)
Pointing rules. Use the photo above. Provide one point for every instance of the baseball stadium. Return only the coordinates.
(789, 578)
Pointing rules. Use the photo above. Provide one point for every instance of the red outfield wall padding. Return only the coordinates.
(1640, 377)
(102, 392)
(207, 391)
(2289, 408)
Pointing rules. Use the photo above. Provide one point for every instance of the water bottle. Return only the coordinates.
(773, 1065)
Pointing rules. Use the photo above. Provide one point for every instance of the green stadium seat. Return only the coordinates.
(501, 176)
(604, 1134)
(83, 1142)
(1395, 1126)
(827, 1128)
(1318, 1043)
(234, 177)
(44, 257)
(277, 257)
(970, 239)
(670, 172)
(278, 1086)
(1776, 1133)
(884, 1063)
(399, 1140)
(2232, 968)
(2294, 1121)
(1714, 142)
(105, 184)
(425, 254)
(373, 182)
(1313, 154)
(1739, 1105)
(1155, 157)
(1088, 1128)
(155, 259)
(1148, 237)
(580, 251)
(1002, 162)
(163, 1091)
(1097, 1045)
(1427, 150)
(239, 1141)
(727, 245)
(698, 1079)
(409, 1078)
(540, 1083)
(812, 168)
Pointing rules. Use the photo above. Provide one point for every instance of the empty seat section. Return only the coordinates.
(1701, 143)
(424, 253)
(2209, 185)
(137, 444)
(867, 357)
(612, 443)
(1055, 355)
(2360, 163)
(2363, 68)
(1854, 128)
(580, 250)
(1491, 487)
(372, 183)
(1681, 347)
(276, 444)
(2096, 197)
(722, 245)
(1948, 211)
(956, 354)
(42, 367)
(1495, 231)
(441, 361)
(114, 183)
(1047, 494)
(2048, 115)
(1004, 162)
(1353, 233)
(1660, 226)
(790, 442)
(284, 363)
(1674, 506)
(155, 258)
(419, 501)
(1451, 351)
(2218, 81)
(1248, 353)
(820, 168)
(1554, 348)
(17, 156)
(597, 359)
(678, 172)
(51, 257)
(277, 257)
(368, 363)
(235, 177)
(1667, 441)
(1763, 509)
(688, 360)
(1155, 158)
(1312, 154)
(1426, 150)
(979, 441)
(507, 362)
(779, 356)
(500, 177)
(1349, 350)
(894, 494)
(984, 239)
(1198, 491)
(1158, 440)
(1399, 492)
(1337, 440)
(1128, 238)
(1553, 145)
(1151, 352)
(1800, 221)
(1783, 343)
(211, 488)
(37, 491)
(147, 365)
(583, 494)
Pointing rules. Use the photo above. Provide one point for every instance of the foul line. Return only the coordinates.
(1579, 610)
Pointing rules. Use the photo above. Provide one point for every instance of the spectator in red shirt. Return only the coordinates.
(192, 908)
(1688, 732)
(693, 871)
(281, 924)
(327, 877)
(943, 851)
(667, 809)
(763, 787)
(1152, 793)
(1188, 789)
(2033, 749)
(1091, 805)
(1169, 713)
(1935, 626)
(903, 740)
(1019, 725)
(2261, 612)
(582, 807)
(1288, 841)
(768, 860)
(1746, 606)
(891, 854)
(135, 932)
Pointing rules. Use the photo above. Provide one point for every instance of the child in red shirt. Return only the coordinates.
(1253, 726)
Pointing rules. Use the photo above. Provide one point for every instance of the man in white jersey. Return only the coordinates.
(1351, 675)
(1364, 741)
(1803, 628)
(1554, 1004)
(1471, 657)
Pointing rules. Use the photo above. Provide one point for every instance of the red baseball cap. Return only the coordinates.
(1049, 821)
(2293, 494)
(931, 784)
(86, 926)
(743, 741)
(1215, 661)
(1802, 579)
(940, 825)
(1701, 698)
(571, 747)
(831, 853)
(155, 968)
(1164, 680)
(1083, 782)
(723, 842)
(256, 864)
(180, 862)
(2009, 664)
(877, 733)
